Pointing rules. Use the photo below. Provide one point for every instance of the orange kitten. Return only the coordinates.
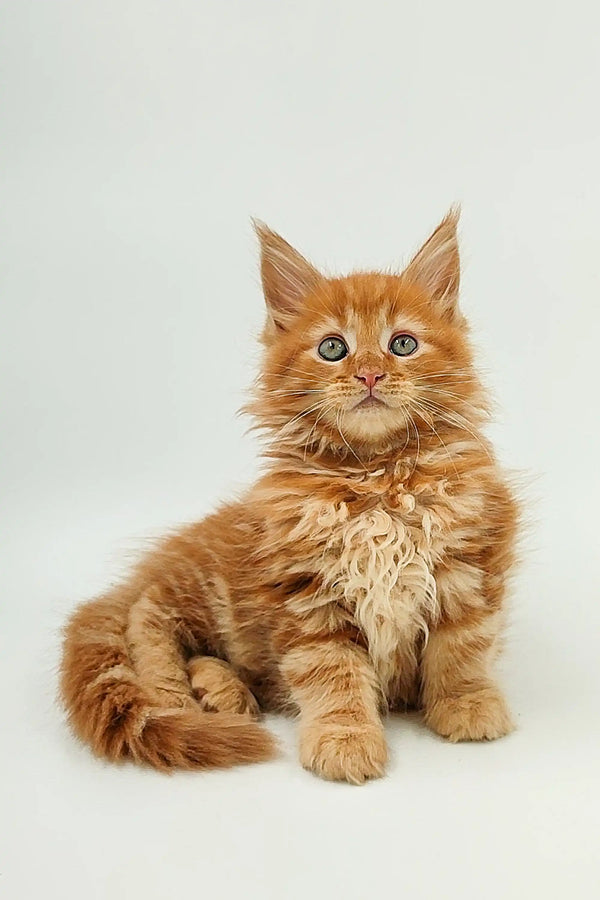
(364, 571)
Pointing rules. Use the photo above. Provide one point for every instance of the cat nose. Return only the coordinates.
(370, 378)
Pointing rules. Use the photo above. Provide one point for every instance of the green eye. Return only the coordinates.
(403, 345)
(333, 349)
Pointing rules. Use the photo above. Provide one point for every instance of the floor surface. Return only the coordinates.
(516, 818)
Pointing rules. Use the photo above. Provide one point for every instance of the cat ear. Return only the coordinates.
(436, 267)
(286, 276)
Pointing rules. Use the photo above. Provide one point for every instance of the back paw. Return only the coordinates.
(217, 688)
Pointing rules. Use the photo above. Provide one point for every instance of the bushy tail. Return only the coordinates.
(110, 709)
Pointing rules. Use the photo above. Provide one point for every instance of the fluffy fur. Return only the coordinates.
(364, 571)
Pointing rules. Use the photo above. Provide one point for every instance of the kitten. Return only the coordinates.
(364, 571)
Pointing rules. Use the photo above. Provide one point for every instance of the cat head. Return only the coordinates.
(365, 362)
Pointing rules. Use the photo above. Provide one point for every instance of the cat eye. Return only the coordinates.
(403, 345)
(333, 349)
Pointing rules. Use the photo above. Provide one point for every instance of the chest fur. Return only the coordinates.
(381, 569)
(379, 566)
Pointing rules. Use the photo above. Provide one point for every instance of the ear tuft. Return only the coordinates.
(436, 267)
(286, 276)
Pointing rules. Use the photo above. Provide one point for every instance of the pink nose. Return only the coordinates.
(370, 378)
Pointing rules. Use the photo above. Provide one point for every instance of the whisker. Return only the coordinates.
(339, 428)
(463, 400)
(418, 439)
(297, 418)
(283, 393)
(463, 376)
(292, 369)
(456, 420)
(437, 390)
(325, 409)
(405, 413)
(440, 439)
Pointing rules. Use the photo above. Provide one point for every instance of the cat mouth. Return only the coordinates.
(370, 402)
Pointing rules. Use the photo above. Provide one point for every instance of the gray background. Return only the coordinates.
(137, 140)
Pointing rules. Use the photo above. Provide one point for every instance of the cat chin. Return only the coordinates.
(373, 423)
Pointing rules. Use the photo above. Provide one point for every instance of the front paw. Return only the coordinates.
(480, 715)
(353, 753)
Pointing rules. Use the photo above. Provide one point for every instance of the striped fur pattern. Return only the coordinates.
(366, 569)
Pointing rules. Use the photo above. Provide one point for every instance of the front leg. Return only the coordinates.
(335, 687)
(460, 698)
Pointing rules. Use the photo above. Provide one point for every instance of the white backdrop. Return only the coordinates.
(137, 139)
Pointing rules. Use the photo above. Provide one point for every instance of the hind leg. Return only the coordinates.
(218, 689)
(155, 651)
